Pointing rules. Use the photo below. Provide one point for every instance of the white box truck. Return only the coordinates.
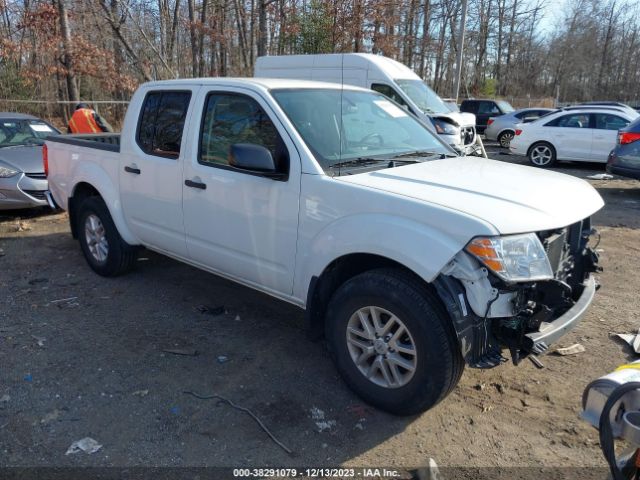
(383, 75)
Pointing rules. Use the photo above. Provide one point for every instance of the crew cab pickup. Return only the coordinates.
(410, 260)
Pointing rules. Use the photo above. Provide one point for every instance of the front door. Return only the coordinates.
(151, 175)
(241, 224)
(572, 136)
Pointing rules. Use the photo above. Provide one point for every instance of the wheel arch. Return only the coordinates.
(506, 129)
(87, 188)
(340, 270)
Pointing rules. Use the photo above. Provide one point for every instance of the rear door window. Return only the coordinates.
(606, 121)
(470, 107)
(488, 108)
(162, 123)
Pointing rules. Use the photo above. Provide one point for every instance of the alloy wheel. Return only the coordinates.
(505, 139)
(381, 347)
(96, 238)
(541, 155)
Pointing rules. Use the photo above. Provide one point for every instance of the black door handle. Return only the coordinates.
(192, 184)
(132, 170)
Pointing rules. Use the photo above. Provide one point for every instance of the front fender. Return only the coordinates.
(99, 179)
(421, 248)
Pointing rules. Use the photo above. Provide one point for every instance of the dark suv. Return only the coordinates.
(484, 109)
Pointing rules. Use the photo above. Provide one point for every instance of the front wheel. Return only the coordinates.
(393, 342)
(103, 247)
(542, 154)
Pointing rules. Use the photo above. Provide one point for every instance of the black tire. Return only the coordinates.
(439, 362)
(504, 139)
(533, 149)
(120, 257)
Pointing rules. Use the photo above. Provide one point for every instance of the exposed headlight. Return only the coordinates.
(514, 258)
(443, 127)
(6, 172)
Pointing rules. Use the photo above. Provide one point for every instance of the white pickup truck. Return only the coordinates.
(410, 260)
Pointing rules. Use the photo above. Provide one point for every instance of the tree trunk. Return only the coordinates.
(67, 58)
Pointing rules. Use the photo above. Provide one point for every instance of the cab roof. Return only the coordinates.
(264, 83)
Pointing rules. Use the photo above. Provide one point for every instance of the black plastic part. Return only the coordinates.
(478, 345)
(129, 169)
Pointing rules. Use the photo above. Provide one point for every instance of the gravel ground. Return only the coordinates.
(85, 356)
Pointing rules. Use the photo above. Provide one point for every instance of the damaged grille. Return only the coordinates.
(467, 135)
(564, 246)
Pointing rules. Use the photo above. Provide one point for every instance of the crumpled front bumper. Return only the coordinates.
(549, 332)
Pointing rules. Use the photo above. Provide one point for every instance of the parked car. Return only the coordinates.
(607, 104)
(624, 159)
(22, 179)
(383, 75)
(342, 203)
(586, 135)
(630, 111)
(503, 128)
(485, 109)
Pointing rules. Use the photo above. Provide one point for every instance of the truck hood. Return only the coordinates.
(512, 198)
(462, 119)
(23, 158)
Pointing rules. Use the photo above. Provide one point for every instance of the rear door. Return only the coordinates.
(238, 223)
(151, 171)
(605, 134)
(486, 110)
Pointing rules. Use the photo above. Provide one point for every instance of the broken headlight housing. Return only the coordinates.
(513, 258)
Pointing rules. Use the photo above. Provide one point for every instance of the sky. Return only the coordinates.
(553, 10)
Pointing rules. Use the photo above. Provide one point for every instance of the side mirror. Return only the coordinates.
(253, 158)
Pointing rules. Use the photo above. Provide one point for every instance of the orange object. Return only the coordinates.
(485, 251)
(82, 121)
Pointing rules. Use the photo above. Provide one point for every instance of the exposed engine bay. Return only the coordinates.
(490, 313)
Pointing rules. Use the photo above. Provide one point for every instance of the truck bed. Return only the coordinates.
(99, 141)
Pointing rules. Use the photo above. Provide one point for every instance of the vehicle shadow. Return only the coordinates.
(26, 213)
(117, 355)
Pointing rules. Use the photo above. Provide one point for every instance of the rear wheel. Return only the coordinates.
(542, 154)
(393, 342)
(504, 139)
(103, 247)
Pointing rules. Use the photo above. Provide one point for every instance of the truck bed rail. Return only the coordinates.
(100, 141)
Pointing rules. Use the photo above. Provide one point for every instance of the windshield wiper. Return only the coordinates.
(420, 154)
(360, 161)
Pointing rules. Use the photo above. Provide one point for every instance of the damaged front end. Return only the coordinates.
(522, 295)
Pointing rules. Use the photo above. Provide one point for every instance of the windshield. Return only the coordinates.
(426, 99)
(344, 125)
(14, 132)
(505, 106)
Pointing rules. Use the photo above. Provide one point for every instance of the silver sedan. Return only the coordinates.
(22, 179)
(503, 128)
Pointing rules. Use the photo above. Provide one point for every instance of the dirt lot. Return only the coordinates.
(96, 366)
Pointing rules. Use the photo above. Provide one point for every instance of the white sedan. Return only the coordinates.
(584, 135)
